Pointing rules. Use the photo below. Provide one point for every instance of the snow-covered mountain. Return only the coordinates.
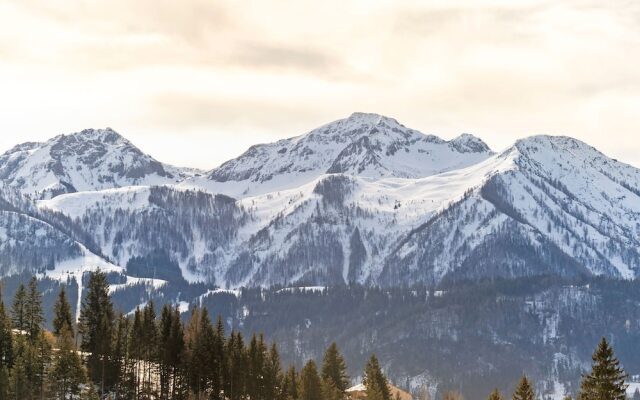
(363, 199)
(87, 160)
(365, 145)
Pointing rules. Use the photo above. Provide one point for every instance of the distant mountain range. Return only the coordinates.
(362, 199)
(438, 255)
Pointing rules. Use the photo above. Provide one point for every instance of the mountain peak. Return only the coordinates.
(468, 143)
(363, 144)
(92, 159)
(105, 136)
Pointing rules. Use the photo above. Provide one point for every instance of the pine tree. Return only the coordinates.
(18, 309)
(21, 375)
(237, 365)
(272, 374)
(524, 390)
(607, 379)
(123, 364)
(256, 357)
(95, 326)
(166, 322)
(6, 350)
(219, 360)
(42, 347)
(290, 384)
(310, 384)
(176, 359)
(6, 338)
(66, 373)
(376, 384)
(34, 317)
(335, 380)
(136, 348)
(495, 395)
(62, 313)
(149, 347)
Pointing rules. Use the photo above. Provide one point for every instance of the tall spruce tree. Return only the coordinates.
(524, 390)
(6, 338)
(96, 327)
(237, 365)
(310, 383)
(18, 309)
(495, 395)
(607, 379)
(34, 316)
(62, 313)
(272, 374)
(335, 380)
(6, 350)
(290, 384)
(375, 382)
(67, 374)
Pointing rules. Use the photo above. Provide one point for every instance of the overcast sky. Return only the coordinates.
(194, 83)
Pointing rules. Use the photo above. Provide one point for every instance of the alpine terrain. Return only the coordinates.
(448, 248)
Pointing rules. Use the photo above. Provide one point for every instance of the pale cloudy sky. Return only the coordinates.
(196, 82)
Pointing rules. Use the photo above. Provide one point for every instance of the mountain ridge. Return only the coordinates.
(368, 200)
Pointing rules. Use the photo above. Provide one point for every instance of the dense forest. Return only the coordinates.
(145, 356)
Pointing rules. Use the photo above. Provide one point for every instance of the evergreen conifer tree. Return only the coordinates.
(290, 384)
(310, 384)
(376, 384)
(495, 395)
(607, 379)
(18, 309)
(62, 313)
(335, 380)
(67, 373)
(6, 350)
(272, 374)
(237, 365)
(96, 327)
(6, 338)
(524, 390)
(34, 317)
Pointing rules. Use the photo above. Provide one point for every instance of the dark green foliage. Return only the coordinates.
(376, 384)
(6, 339)
(290, 384)
(607, 379)
(310, 384)
(19, 309)
(95, 326)
(6, 351)
(334, 369)
(66, 374)
(62, 313)
(524, 390)
(157, 265)
(495, 395)
(34, 317)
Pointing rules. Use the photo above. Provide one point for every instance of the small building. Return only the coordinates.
(357, 392)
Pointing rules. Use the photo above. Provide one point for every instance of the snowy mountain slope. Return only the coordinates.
(87, 160)
(367, 145)
(367, 200)
(564, 209)
(506, 216)
(185, 231)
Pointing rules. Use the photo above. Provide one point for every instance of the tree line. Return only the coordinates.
(606, 381)
(146, 356)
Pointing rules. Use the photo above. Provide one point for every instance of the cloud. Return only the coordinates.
(242, 72)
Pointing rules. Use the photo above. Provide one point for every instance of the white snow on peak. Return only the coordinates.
(92, 159)
(364, 145)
